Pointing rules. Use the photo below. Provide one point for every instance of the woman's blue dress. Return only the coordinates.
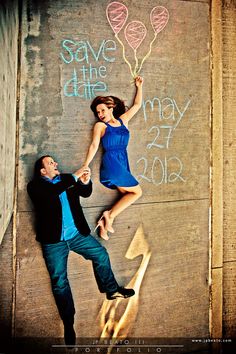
(115, 170)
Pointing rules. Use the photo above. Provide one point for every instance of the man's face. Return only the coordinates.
(49, 168)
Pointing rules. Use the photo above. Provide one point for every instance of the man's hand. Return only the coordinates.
(84, 174)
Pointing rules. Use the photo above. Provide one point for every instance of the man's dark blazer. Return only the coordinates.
(48, 209)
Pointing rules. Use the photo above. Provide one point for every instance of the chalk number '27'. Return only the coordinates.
(158, 132)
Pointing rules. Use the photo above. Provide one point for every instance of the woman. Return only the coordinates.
(112, 131)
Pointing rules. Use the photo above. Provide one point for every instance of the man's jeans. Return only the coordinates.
(56, 256)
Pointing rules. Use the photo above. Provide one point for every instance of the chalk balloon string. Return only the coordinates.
(124, 57)
(135, 32)
(159, 17)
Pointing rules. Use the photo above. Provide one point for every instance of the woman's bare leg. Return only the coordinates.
(130, 195)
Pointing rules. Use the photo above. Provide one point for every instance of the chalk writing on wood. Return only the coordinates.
(167, 115)
(87, 79)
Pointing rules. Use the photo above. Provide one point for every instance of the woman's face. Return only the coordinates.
(103, 112)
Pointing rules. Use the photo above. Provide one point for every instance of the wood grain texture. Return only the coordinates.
(6, 288)
(169, 149)
(216, 256)
(8, 96)
(169, 153)
(229, 110)
(229, 290)
(168, 293)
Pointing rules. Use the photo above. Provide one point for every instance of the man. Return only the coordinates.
(60, 228)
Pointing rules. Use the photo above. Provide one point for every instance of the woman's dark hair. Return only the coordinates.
(38, 165)
(117, 104)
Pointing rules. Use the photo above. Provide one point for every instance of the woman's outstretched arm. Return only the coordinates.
(137, 101)
(98, 132)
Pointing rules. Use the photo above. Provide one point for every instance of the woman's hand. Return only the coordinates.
(138, 81)
(83, 173)
(85, 178)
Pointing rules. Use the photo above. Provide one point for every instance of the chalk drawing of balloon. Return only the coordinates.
(159, 18)
(117, 14)
(135, 32)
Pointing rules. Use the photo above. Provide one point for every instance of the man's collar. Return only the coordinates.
(52, 180)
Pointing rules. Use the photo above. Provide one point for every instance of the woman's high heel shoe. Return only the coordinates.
(98, 223)
(102, 232)
(108, 224)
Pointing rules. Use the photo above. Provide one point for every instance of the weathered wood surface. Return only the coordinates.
(229, 290)
(8, 82)
(216, 257)
(173, 169)
(174, 285)
(40, 73)
(229, 111)
(177, 83)
(6, 287)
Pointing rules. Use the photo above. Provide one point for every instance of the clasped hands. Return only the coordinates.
(84, 174)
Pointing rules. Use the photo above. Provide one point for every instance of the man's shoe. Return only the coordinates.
(69, 334)
(120, 293)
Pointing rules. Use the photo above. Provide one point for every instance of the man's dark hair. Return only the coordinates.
(38, 165)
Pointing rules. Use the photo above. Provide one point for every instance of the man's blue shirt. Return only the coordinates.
(69, 230)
